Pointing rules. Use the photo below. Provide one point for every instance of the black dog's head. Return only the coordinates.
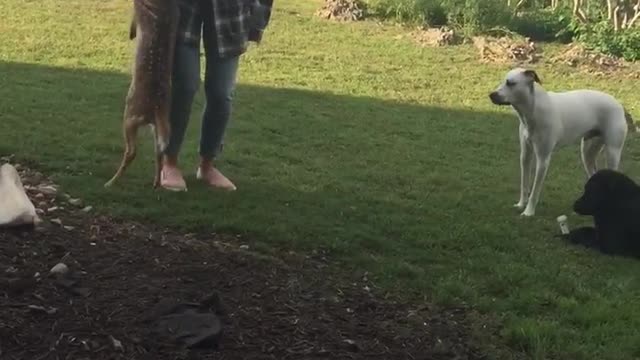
(603, 191)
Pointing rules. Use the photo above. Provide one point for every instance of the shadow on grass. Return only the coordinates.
(352, 175)
(307, 164)
(419, 196)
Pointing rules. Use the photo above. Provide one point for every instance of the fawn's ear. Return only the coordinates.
(531, 74)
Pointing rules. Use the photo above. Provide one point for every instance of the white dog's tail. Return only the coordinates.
(632, 125)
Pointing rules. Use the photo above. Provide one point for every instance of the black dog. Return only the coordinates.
(613, 199)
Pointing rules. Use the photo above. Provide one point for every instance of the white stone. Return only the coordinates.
(117, 344)
(563, 223)
(75, 202)
(15, 206)
(60, 268)
(48, 189)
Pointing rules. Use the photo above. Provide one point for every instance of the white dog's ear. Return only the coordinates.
(533, 76)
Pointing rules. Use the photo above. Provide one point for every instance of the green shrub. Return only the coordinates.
(423, 12)
(471, 17)
(475, 16)
(601, 37)
(544, 25)
(434, 13)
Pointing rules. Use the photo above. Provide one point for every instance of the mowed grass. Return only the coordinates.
(346, 139)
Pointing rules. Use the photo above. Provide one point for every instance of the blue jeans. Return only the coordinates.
(219, 85)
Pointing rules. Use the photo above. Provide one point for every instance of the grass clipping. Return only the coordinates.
(342, 10)
(442, 36)
(577, 56)
(505, 50)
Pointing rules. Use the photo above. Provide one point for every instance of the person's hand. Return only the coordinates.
(255, 35)
(260, 15)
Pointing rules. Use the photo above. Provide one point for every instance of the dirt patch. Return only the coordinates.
(577, 56)
(342, 10)
(435, 36)
(507, 50)
(268, 309)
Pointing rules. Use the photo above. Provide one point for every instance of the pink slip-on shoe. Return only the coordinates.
(214, 178)
(171, 179)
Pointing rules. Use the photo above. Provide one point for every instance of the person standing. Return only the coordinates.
(226, 27)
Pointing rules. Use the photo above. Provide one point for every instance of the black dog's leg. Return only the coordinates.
(609, 241)
(586, 236)
(613, 240)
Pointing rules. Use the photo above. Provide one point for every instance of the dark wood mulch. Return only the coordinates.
(270, 309)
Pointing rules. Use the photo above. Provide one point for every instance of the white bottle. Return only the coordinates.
(564, 226)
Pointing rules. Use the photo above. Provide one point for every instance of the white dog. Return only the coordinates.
(549, 120)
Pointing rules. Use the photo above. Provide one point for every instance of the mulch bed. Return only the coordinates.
(269, 309)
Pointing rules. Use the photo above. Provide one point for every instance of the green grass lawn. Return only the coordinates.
(348, 139)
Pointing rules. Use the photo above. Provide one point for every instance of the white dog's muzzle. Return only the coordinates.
(498, 99)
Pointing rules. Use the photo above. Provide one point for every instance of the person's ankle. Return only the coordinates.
(170, 161)
(206, 164)
(212, 176)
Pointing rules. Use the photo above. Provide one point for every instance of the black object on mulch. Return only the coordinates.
(136, 292)
(188, 324)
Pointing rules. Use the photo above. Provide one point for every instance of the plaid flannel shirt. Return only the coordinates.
(228, 24)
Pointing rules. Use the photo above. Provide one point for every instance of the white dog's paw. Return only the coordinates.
(520, 205)
(528, 212)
